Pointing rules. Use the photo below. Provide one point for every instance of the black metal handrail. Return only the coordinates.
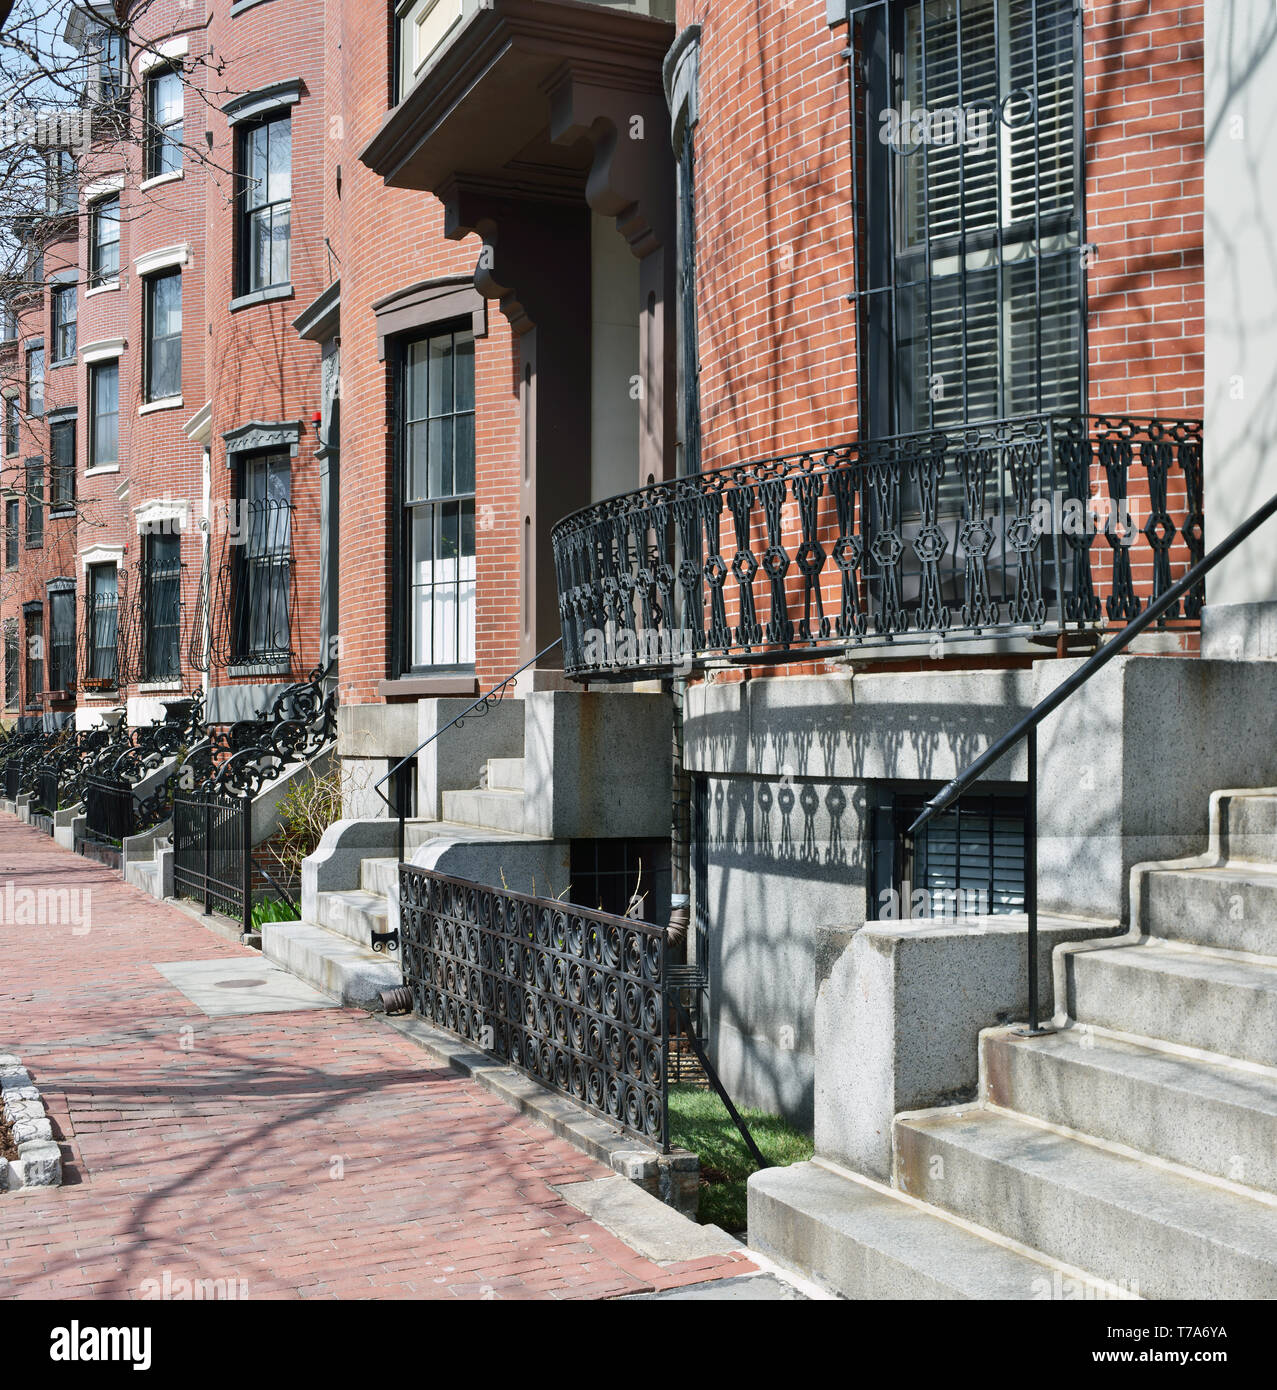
(1027, 729)
(480, 706)
(988, 530)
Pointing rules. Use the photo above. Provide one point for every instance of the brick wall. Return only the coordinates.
(389, 239)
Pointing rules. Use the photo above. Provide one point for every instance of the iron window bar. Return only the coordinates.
(156, 640)
(1027, 729)
(256, 598)
(102, 655)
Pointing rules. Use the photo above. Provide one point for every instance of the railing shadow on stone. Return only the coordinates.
(1032, 525)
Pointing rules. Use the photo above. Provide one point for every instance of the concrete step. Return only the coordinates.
(353, 913)
(491, 810)
(505, 774)
(348, 973)
(1234, 908)
(1154, 1231)
(861, 1240)
(379, 876)
(1216, 1118)
(1249, 825)
(1218, 1001)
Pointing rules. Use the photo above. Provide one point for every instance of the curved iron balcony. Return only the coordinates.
(1030, 525)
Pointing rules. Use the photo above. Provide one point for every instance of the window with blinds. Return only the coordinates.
(968, 861)
(972, 298)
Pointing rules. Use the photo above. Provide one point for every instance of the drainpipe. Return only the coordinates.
(681, 838)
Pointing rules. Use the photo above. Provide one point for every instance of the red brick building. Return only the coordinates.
(484, 302)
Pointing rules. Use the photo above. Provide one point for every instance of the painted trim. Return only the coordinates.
(265, 101)
(163, 258)
(163, 54)
(104, 350)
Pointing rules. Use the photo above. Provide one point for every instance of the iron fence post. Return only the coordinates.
(208, 850)
(246, 815)
(1031, 880)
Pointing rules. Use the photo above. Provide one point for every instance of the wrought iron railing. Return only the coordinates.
(572, 997)
(213, 850)
(1022, 526)
(213, 796)
(1168, 601)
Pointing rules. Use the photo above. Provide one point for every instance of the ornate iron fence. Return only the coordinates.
(223, 772)
(572, 997)
(991, 531)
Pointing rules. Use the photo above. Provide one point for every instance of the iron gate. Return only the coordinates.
(213, 851)
(572, 997)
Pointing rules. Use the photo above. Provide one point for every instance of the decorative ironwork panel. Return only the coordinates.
(572, 997)
(934, 536)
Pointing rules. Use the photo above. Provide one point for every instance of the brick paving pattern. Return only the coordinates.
(310, 1154)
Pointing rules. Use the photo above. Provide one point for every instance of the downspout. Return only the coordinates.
(681, 73)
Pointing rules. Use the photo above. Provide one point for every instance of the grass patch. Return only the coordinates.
(699, 1121)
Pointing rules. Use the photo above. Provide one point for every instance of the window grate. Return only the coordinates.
(968, 861)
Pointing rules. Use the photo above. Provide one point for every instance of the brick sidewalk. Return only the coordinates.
(311, 1154)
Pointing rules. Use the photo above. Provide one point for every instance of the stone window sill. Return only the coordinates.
(423, 687)
(171, 177)
(266, 296)
(168, 403)
(108, 288)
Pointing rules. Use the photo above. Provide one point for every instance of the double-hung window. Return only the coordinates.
(104, 414)
(969, 256)
(164, 97)
(12, 663)
(64, 322)
(62, 463)
(161, 606)
(438, 453)
(263, 589)
(35, 503)
(35, 381)
(110, 68)
(11, 425)
(104, 241)
(62, 636)
(164, 336)
(63, 188)
(33, 633)
(102, 627)
(12, 533)
(265, 232)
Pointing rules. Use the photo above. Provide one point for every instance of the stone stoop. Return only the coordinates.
(497, 805)
(1130, 1152)
(334, 953)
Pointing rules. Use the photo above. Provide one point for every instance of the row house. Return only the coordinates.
(164, 458)
(689, 435)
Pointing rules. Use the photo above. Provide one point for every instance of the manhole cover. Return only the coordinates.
(238, 984)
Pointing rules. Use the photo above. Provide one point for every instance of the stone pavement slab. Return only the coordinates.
(219, 987)
(313, 1153)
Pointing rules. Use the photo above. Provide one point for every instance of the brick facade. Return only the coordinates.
(776, 323)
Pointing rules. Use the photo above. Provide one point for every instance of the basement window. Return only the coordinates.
(968, 861)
